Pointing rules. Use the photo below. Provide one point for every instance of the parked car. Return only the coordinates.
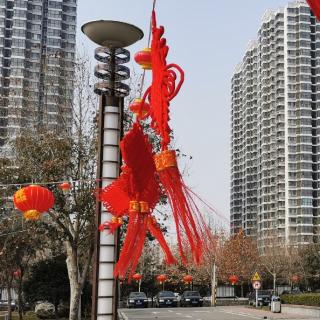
(137, 300)
(4, 305)
(166, 299)
(191, 298)
(263, 298)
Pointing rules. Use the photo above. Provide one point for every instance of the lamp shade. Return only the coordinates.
(108, 33)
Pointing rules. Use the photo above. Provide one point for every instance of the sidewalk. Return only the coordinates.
(262, 314)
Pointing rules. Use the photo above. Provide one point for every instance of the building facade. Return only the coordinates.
(275, 134)
(37, 53)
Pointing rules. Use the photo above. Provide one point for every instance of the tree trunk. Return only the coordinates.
(9, 301)
(75, 287)
(274, 283)
(20, 302)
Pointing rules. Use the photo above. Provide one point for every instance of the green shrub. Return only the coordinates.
(307, 299)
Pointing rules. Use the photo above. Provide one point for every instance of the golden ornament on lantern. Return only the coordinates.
(143, 58)
(64, 186)
(33, 201)
(138, 108)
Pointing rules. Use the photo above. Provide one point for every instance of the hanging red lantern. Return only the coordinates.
(233, 279)
(17, 274)
(65, 186)
(187, 279)
(138, 108)
(295, 278)
(33, 200)
(137, 277)
(161, 278)
(143, 58)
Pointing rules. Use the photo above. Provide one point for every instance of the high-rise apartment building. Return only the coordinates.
(37, 53)
(275, 136)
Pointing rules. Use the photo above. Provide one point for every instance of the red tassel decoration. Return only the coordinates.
(156, 232)
(112, 225)
(183, 207)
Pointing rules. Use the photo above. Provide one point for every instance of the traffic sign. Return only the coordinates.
(256, 285)
(256, 277)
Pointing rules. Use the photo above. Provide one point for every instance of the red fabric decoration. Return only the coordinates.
(315, 7)
(33, 200)
(136, 192)
(163, 88)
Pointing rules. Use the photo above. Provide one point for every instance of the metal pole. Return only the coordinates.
(256, 298)
(213, 286)
(105, 289)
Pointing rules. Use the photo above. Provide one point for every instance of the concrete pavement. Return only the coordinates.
(218, 313)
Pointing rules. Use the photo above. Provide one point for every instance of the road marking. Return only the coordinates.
(241, 314)
(188, 316)
(178, 314)
(202, 311)
(154, 312)
(170, 311)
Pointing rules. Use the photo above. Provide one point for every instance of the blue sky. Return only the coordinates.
(207, 38)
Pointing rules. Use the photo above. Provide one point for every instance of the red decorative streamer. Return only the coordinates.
(315, 7)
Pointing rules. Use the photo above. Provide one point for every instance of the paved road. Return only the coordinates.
(218, 313)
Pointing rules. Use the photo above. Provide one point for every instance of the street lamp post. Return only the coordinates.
(112, 36)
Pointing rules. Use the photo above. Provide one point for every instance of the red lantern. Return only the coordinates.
(187, 279)
(295, 278)
(17, 274)
(65, 186)
(139, 109)
(143, 58)
(33, 200)
(233, 279)
(137, 277)
(161, 278)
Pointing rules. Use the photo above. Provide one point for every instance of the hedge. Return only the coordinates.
(307, 299)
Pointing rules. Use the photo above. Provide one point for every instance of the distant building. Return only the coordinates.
(37, 52)
(275, 136)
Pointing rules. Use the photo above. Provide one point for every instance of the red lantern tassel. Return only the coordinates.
(112, 225)
(139, 244)
(181, 204)
(128, 244)
(156, 232)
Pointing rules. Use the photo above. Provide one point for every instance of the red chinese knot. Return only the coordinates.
(137, 277)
